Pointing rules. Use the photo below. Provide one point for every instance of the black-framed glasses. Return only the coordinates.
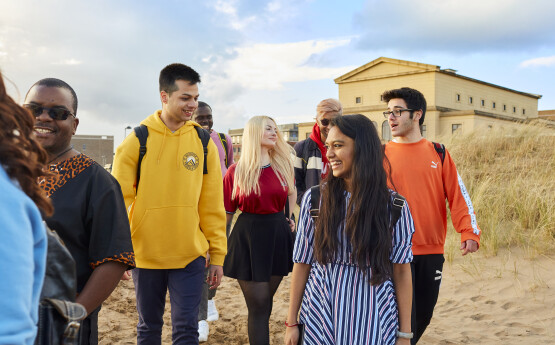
(395, 112)
(54, 113)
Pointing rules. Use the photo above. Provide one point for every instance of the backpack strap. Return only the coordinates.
(204, 138)
(315, 201)
(396, 207)
(440, 149)
(223, 140)
(142, 134)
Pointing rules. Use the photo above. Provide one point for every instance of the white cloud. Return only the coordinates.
(268, 66)
(541, 61)
(68, 62)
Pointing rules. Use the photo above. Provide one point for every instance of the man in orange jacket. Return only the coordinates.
(426, 177)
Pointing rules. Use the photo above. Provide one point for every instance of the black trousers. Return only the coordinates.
(426, 280)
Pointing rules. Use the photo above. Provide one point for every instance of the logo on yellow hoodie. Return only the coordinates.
(190, 161)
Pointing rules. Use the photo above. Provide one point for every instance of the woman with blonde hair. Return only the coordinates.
(260, 247)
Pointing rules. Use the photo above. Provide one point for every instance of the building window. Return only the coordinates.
(358, 100)
(84, 147)
(423, 130)
(493, 105)
(308, 135)
(470, 100)
(514, 109)
(483, 103)
(523, 111)
(381, 98)
(504, 107)
(375, 124)
(458, 98)
(455, 127)
(386, 131)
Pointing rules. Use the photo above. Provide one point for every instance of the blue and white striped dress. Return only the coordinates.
(339, 305)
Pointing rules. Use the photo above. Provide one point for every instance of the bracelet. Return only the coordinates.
(404, 335)
(292, 325)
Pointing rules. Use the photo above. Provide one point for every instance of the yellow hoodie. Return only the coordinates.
(174, 200)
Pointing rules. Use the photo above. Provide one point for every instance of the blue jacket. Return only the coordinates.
(23, 248)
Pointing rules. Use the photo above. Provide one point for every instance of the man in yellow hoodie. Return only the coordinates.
(176, 212)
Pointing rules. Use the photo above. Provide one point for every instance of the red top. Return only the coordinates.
(272, 199)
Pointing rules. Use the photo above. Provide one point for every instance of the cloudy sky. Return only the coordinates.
(277, 58)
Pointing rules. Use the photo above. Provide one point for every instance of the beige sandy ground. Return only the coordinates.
(507, 299)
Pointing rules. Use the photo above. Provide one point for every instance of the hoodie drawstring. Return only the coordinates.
(162, 146)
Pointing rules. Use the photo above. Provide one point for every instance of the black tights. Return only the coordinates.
(259, 297)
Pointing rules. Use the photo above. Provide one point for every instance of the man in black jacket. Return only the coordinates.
(311, 164)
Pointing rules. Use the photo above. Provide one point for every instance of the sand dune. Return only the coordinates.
(507, 299)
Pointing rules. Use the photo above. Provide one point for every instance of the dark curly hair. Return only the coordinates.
(21, 155)
(368, 226)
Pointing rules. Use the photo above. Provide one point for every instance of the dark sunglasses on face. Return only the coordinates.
(54, 113)
(325, 122)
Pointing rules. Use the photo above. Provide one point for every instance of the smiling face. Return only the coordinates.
(340, 153)
(324, 122)
(269, 134)
(53, 135)
(203, 116)
(403, 126)
(179, 106)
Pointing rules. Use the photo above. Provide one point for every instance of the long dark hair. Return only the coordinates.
(368, 227)
(21, 155)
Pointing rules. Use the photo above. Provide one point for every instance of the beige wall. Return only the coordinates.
(371, 91)
(305, 129)
(447, 88)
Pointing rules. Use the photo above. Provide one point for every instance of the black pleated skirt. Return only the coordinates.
(260, 246)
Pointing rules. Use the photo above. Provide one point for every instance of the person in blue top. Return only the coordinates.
(23, 241)
(352, 279)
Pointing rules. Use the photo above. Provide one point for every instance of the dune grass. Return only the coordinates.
(510, 176)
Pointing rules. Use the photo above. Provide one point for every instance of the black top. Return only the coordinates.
(89, 215)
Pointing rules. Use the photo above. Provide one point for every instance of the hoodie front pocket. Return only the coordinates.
(168, 232)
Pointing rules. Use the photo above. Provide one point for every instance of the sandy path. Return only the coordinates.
(505, 299)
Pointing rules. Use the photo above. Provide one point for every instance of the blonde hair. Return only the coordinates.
(247, 171)
(329, 105)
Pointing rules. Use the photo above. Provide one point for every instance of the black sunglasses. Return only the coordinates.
(54, 113)
(325, 122)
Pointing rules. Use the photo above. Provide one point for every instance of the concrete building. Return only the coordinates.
(237, 141)
(547, 114)
(455, 102)
(98, 147)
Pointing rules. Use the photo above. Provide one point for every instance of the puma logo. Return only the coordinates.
(438, 275)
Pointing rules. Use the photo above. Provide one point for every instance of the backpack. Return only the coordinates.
(397, 204)
(59, 315)
(142, 134)
(440, 149)
(223, 140)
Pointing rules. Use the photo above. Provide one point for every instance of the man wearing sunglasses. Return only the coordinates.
(89, 212)
(426, 176)
(311, 163)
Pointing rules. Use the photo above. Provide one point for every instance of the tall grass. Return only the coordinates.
(510, 175)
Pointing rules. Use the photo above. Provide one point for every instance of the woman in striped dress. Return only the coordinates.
(352, 279)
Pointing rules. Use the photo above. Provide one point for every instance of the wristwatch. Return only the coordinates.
(404, 335)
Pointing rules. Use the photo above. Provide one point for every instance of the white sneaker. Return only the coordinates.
(203, 331)
(212, 313)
